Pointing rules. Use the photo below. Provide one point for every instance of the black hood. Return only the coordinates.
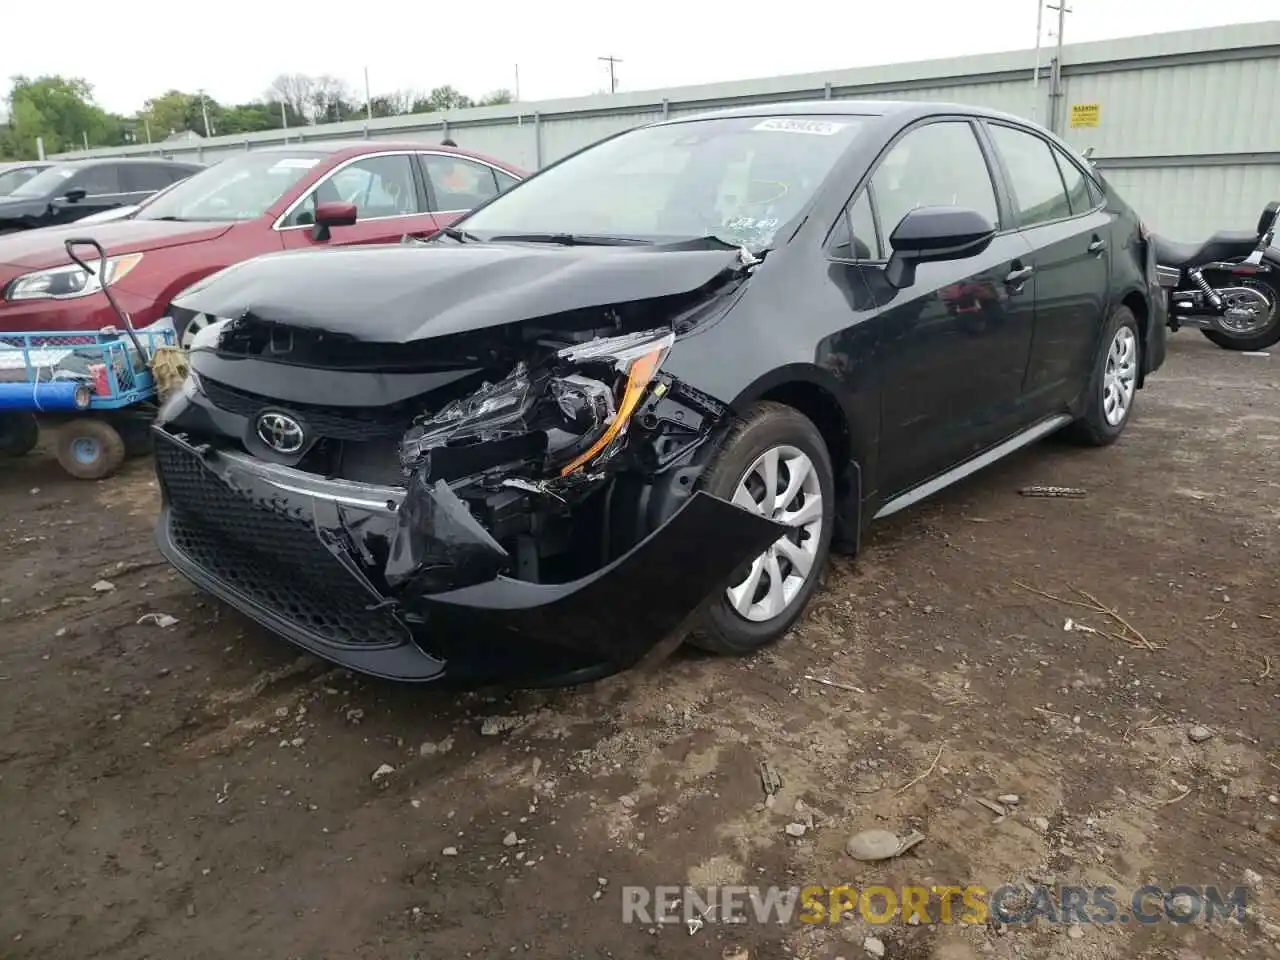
(399, 294)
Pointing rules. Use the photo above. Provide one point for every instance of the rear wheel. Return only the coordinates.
(1113, 388)
(1255, 320)
(774, 462)
(19, 434)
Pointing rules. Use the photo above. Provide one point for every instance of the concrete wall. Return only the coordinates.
(1182, 126)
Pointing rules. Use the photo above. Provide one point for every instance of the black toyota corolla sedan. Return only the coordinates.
(641, 396)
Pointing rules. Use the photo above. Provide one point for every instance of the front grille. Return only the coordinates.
(273, 559)
(337, 423)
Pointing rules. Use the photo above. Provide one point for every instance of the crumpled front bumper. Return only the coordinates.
(405, 584)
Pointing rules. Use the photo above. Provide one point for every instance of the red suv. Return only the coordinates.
(278, 198)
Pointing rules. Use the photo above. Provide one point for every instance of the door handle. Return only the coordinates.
(1021, 275)
(1098, 245)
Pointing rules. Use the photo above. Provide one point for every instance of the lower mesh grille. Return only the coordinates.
(273, 559)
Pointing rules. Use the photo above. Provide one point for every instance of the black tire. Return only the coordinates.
(90, 449)
(763, 427)
(136, 434)
(19, 434)
(1094, 429)
(1264, 338)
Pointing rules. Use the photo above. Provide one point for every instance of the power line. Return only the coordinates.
(613, 78)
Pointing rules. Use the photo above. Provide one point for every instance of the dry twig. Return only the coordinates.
(1182, 796)
(923, 775)
(1131, 634)
(1115, 615)
(832, 683)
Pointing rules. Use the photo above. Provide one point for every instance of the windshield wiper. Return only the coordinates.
(571, 239)
(462, 236)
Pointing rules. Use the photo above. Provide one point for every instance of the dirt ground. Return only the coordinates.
(202, 791)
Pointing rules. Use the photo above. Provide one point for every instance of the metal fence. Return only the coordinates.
(1173, 116)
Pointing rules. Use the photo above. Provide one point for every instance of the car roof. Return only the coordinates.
(903, 109)
(356, 147)
(126, 160)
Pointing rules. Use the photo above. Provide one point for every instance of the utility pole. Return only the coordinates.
(284, 121)
(204, 112)
(517, 82)
(146, 125)
(368, 100)
(613, 77)
(1056, 89)
(1035, 77)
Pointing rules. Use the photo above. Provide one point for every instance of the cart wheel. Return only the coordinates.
(19, 434)
(90, 449)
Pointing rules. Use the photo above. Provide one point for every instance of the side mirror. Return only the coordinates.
(932, 235)
(75, 194)
(334, 213)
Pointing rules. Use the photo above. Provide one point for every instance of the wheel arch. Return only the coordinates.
(815, 392)
(1136, 301)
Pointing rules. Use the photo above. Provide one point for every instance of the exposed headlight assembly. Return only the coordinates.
(570, 412)
(70, 281)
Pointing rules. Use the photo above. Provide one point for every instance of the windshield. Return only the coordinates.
(45, 183)
(10, 180)
(239, 188)
(740, 179)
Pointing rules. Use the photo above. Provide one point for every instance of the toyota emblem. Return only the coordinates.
(281, 433)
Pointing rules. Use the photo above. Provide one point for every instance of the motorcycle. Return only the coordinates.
(1228, 286)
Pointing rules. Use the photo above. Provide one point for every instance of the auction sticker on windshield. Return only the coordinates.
(295, 163)
(821, 128)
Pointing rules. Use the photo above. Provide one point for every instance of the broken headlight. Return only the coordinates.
(565, 413)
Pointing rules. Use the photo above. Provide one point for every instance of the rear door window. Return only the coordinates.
(457, 183)
(144, 178)
(1076, 182)
(1037, 183)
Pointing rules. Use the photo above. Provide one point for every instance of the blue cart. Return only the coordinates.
(95, 388)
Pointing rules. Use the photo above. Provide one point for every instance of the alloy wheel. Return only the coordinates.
(1120, 377)
(197, 323)
(782, 484)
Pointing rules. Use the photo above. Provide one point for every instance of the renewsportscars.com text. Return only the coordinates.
(1010, 904)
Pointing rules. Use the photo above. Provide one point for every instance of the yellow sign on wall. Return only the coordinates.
(1085, 114)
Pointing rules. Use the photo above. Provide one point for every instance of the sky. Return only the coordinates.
(234, 48)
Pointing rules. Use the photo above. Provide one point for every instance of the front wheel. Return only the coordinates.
(774, 462)
(90, 449)
(1254, 320)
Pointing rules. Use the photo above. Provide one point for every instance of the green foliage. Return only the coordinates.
(62, 111)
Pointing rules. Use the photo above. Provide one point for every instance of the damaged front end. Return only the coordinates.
(538, 525)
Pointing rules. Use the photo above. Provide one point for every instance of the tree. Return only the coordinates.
(330, 100)
(61, 111)
(175, 112)
(294, 91)
(442, 98)
(495, 97)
